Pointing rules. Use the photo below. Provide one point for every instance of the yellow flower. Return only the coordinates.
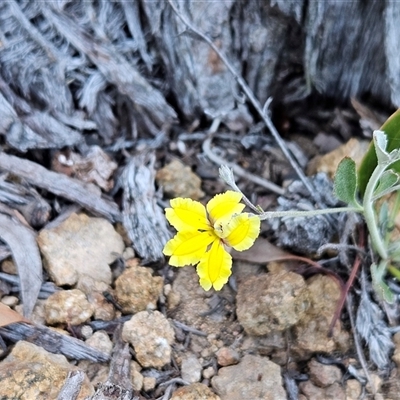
(204, 233)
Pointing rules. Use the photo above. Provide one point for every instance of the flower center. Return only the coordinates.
(220, 228)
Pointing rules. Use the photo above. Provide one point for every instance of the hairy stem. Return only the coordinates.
(369, 212)
(311, 213)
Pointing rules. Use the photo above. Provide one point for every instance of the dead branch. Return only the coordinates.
(26, 128)
(46, 289)
(27, 201)
(142, 217)
(53, 341)
(85, 194)
(112, 65)
(118, 385)
(240, 171)
(72, 386)
(120, 362)
(25, 253)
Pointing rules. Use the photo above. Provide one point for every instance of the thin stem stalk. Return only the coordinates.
(369, 212)
(312, 213)
(250, 95)
(394, 271)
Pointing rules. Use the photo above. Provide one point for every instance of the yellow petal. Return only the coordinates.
(214, 268)
(241, 231)
(224, 205)
(188, 247)
(187, 214)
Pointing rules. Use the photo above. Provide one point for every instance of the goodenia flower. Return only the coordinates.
(204, 233)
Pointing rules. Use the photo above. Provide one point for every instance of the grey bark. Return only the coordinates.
(143, 219)
(26, 200)
(86, 194)
(53, 341)
(119, 384)
(72, 386)
(25, 253)
(114, 67)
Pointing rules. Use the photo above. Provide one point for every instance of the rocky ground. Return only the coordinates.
(110, 109)
(264, 336)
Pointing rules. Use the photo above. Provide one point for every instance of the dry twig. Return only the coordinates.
(240, 171)
(53, 341)
(72, 386)
(250, 95)
(143, 218)
(86, 194)
(25, 252)
(361, 358)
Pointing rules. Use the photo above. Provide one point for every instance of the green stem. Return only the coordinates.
(311, 213)
(387, 191)
(369, 212)
(395, 209)
(394, 271)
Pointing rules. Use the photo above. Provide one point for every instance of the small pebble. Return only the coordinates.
(136, 365)
(396, 338)
(353, 389)
(173, 299)
(9, 267)
(205, 353)
(255, 377)
(191, 369)
(208, 372)
(10, 301)
(102, 308)
(149, 383)
(323, 375)
(78, 247)
(377, 382)
(195, 391)
(227, 356)
(151, 335)
(214, 348)
(100, 341)
(137, 289)
(136, 379)
(67, 306)
(31, 372)
(128, 253)
(178, 180)
(167, 289)
(86, 331)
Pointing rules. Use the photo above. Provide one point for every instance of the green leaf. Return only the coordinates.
(385, 225)
(394, 251)
(388, 179)
(392, 129)
(345, 185)
(383, 217)
(380, 143)
(380, 287)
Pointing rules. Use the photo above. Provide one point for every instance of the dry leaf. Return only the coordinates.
(261, 252)
(9, 316)
(370, 120)
(94, 167)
